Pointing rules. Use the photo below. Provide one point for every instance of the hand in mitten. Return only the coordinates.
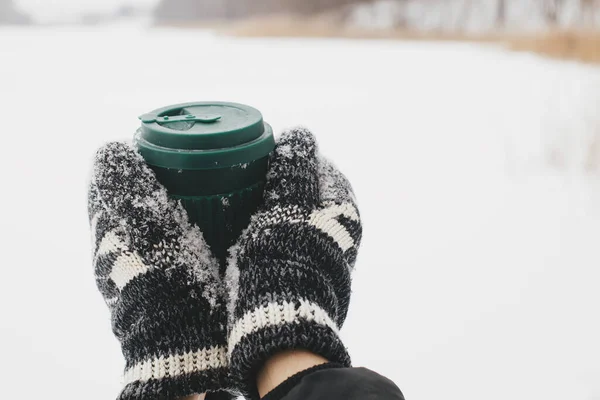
(288, 277)
(159, 280)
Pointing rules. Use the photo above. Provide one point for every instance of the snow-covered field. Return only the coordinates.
(480, 271)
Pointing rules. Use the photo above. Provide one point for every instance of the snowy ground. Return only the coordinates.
(479, 274)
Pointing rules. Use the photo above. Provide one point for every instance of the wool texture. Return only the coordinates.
(289, 275)
(159, 280)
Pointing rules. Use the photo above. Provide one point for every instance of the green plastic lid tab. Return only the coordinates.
(203, 135)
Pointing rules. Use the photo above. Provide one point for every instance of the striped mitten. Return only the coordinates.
(288, 276)
(159, 280)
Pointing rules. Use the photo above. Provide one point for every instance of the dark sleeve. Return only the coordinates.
(334, 382)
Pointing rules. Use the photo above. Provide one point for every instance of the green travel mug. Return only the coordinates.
(213, 157)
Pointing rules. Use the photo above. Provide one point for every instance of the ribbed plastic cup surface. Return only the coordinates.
(213, 157)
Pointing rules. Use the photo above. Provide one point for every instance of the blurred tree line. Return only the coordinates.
(190, 10)
(476, 15)
(10, 15)
(428, 15)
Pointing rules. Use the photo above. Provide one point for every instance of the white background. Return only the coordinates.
(479, 272)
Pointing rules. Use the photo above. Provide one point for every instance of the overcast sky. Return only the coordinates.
(48, 10)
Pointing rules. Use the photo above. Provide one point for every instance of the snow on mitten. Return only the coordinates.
(159, 281)
(288, 276)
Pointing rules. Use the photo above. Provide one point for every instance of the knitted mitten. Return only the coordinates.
(159, 281)
(288, 276)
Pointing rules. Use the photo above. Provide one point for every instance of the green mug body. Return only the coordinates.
(213, 158)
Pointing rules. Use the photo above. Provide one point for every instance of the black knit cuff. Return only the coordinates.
(287, 385)
(172, 374)
(171, 388)
(249, 353)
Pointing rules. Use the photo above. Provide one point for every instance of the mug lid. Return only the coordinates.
(203, 135)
